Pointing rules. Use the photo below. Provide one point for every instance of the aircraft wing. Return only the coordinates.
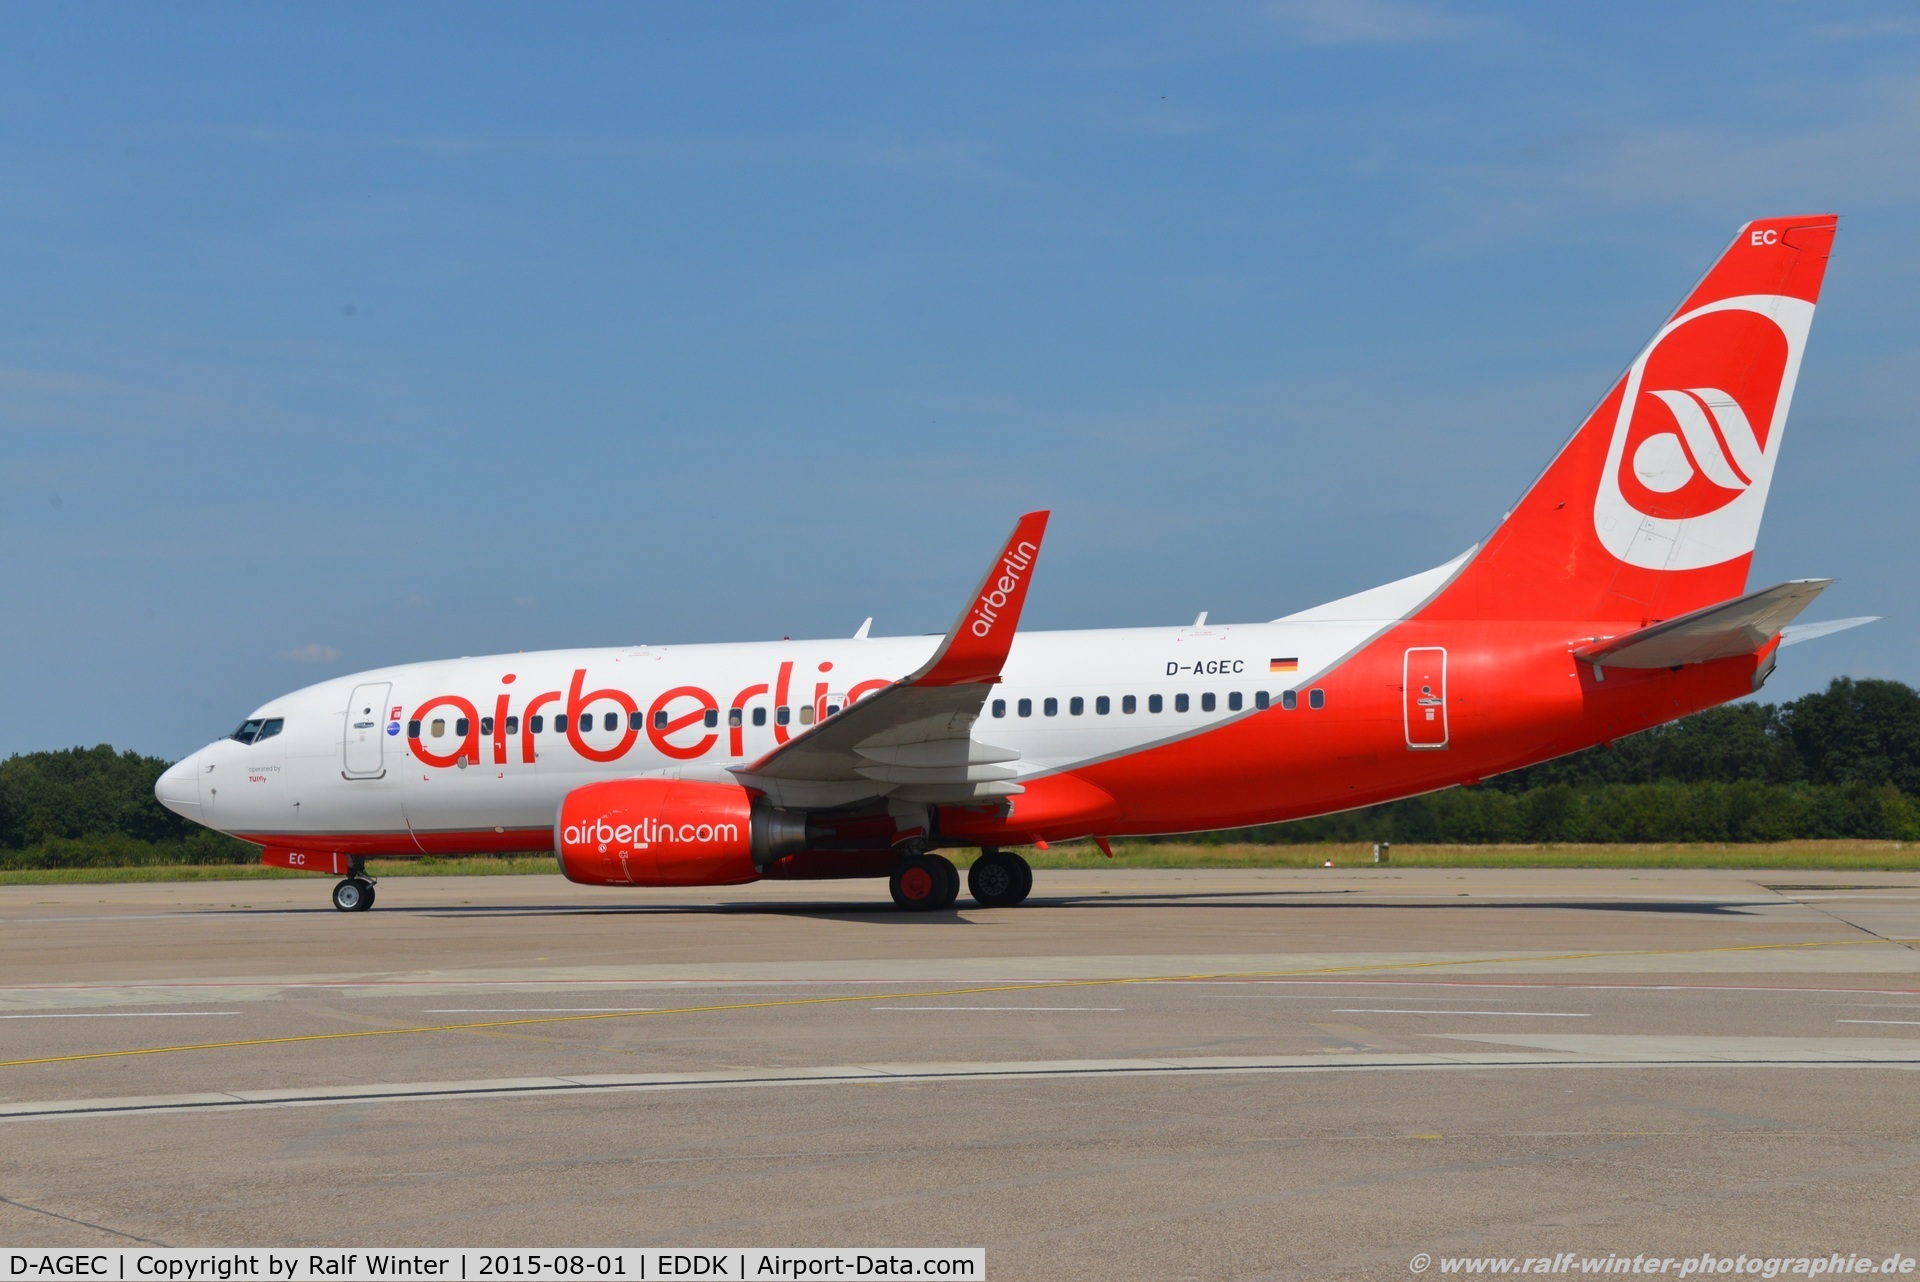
(1743, 625)
(914, 740)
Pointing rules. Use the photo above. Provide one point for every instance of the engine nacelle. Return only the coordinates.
(670, 832)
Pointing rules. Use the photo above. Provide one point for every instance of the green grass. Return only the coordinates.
(482, 866)
(1832, 856)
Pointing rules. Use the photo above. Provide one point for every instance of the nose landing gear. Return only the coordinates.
(355, 893)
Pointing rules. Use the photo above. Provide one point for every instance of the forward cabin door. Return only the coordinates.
(1425, 687)
(366, 730)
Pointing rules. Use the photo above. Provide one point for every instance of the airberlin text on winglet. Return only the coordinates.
(986, 612)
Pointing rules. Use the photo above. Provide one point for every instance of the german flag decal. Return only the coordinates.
(1283, 665)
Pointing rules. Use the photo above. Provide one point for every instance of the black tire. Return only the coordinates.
(1024, 871)
(949, 882)
(994, 881)
(918, 885)
(352, 895)
(366, 901)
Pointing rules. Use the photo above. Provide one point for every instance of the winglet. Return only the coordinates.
(977, 644)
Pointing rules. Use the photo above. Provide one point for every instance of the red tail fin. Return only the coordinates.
(1653, 507)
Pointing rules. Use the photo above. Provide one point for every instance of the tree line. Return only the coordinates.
(1844, 762)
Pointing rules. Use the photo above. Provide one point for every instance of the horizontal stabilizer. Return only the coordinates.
(1743, 625)
(1813, 631)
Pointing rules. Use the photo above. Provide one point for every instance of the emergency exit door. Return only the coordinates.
(1425, 686)
(365, 729)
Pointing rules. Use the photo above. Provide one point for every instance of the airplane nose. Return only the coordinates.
(178, 789)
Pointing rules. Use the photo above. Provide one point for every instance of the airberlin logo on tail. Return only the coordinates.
(1697, 431)
(1013, 567)
(1716, 443)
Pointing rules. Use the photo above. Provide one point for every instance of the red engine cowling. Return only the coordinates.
(670, 832)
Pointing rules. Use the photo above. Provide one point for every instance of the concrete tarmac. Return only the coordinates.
(1247, 1073)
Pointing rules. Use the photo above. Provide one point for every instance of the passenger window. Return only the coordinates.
(460, 727)
(636, 721)
(833, 709)
(1025, 707)
(1206, 702)
(1316, 699)
(439, 727)
(1155, 703)
(734, 718)
(1076, 705)
(1233, 702)
(1260, 700)
(759, 716)
(1179, 703)
(536, 725)
(513, 725)
(806, 714)
(1289, 700)
(1051, 707)
(1103, 705)
(1128, 704)
(660, 719)
(999, 707)
(486, 725)
(711, 719)
(559, 723)
(269, 729)
(782, 715)
(586, 721)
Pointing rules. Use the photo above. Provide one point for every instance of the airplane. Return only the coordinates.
(1610, 599)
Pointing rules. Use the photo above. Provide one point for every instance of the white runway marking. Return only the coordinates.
(540, 1010)
(946, 1008)
(1546, 1052)
(1540, 1014)
(131, 1014)
(1911, 1023)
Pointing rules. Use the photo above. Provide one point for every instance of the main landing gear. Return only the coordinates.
(999, 879)
(924, 883)
(928, 883)
(355, 894)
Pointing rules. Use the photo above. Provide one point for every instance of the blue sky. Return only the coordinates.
(333, 337)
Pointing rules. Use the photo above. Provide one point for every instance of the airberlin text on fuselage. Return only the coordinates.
(672, 716)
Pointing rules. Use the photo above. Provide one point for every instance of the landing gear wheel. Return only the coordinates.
(999, 879)
(924, 883)
(353, 895)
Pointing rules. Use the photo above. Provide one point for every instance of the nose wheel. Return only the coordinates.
(999, 879)
(355, 893)
(925, 883)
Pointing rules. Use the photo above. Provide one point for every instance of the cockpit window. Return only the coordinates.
(258, 728)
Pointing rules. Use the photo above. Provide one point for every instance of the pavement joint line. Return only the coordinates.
(488, 1025)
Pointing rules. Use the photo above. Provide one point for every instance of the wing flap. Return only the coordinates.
(1744, 625)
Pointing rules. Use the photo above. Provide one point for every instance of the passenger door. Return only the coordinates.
(1425, 694)
(366, 729)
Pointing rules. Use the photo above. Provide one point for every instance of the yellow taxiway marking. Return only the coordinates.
(491, 1024)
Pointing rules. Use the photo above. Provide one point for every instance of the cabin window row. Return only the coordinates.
(537, 724)
(736, 717)
(1129, 704)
